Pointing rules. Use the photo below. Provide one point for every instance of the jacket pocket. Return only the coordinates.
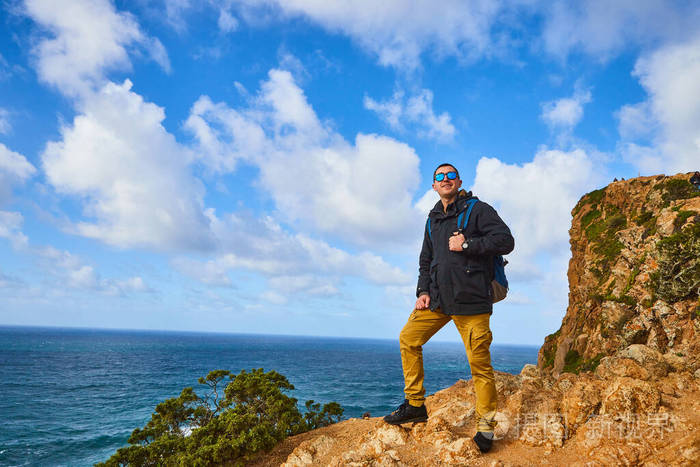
(469, 284)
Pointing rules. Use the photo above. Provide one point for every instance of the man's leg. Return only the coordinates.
(420, 327)
(476, 335)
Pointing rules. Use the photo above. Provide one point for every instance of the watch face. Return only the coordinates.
(465, 245)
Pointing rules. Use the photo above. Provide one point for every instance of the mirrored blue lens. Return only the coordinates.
(450, 175)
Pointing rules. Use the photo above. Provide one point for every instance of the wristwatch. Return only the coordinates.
(465, 245)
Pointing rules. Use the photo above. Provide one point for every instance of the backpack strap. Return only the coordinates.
(466, 213)
(462, 215)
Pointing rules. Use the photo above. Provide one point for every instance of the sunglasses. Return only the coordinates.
(441, 177)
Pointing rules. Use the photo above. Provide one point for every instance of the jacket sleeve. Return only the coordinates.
(493, 235)
(426, 257)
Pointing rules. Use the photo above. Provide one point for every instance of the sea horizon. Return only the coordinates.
(233, 333)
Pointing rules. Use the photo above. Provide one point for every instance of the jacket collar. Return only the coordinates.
(454, 207)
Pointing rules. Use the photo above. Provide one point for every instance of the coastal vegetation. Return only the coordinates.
(678, 275)
(236, 418)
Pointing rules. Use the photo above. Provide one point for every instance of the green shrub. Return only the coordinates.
(550, 348)
(595, 196)
(677, 188)
(575, 363)
(616, 222)
(678, 275)
(572, 362)
(592, 364)
(630, 280)
(643, 217)
(609, 248)
(252, 415)
(589, 217)
(682, 217)
(647, 220)
(595, 230)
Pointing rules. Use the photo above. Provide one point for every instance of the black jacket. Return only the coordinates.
(459, 282)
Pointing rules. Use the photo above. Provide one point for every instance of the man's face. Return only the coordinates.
(446, 188)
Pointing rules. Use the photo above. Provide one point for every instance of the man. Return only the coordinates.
(456, 269)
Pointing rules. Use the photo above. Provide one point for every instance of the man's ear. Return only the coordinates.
(435, 186)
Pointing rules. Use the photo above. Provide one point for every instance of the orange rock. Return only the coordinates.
(625, 395)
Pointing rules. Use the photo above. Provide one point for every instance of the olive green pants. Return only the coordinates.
(476, 335)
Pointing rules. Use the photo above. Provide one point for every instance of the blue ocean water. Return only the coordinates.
(73, 396)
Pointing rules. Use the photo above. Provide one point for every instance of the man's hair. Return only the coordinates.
(445, 165)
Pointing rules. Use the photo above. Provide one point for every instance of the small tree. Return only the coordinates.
(251, 415)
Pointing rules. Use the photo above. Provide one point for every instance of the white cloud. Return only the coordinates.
(567, 112)
(262, 245)
(177, 12)
(158, 53)
(342, 189)
(88, 38)
(67, 269)
(174, 13)
(15, 164)
(290, 63)
(14, 169)
(292, 263)
(426, 202)
(274, 297)
(131, 172)
(10, 228)
(70, 271)
(313, 174)
(602, 28)
(636, 121)
(223, 135)
(391, 111)
(670, 117)
(210, 272)
(535, 199)
(227, 22)
(309, 284)
(133, 284)
(398, 32)
(415, 112)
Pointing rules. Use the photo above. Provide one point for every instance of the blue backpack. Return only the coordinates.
(499, 284)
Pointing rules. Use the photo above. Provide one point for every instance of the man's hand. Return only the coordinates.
(456, 241)
(423, 302)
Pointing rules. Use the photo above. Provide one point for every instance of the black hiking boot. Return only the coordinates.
(406, 413)
(483, 442)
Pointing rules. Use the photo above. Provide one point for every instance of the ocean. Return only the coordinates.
(73, 396)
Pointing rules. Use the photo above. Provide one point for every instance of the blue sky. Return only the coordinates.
(261, 166)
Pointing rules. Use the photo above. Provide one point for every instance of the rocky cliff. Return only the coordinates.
(634, 275)
(618, 383)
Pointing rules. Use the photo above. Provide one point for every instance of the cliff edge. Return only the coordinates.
(618, 383)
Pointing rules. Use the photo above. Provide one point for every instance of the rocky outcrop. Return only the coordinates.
(618, 383)
(634, 275)
(617, 415)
